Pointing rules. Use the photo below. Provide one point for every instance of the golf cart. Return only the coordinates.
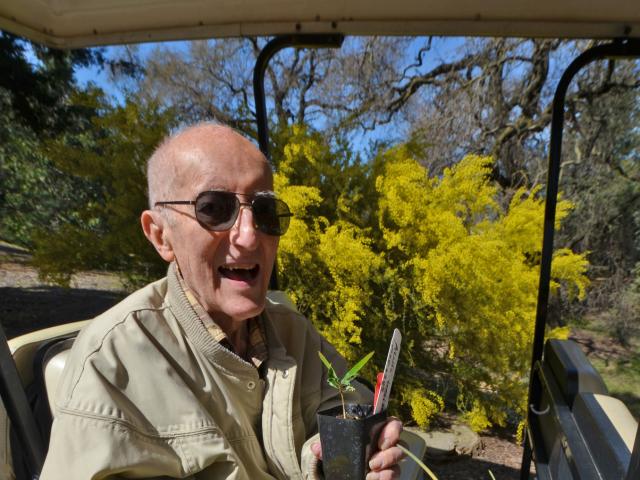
(575, 429)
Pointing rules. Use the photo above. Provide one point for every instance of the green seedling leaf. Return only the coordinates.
(332, 377)
(326, 362)
(331, 373)
(343, 384)
(351, 374)
(333, 382)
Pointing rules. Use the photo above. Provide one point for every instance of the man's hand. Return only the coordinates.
(384, 464)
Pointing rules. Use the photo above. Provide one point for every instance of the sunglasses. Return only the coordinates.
(218, 211)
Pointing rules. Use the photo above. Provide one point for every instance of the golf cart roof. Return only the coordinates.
(80, 23)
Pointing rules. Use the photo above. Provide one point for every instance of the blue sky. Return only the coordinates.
(442, 49)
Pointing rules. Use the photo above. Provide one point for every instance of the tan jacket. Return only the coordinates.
(148, 393)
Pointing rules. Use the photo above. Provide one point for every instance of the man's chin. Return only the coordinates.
(243, 308)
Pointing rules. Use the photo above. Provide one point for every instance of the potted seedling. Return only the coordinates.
(349, 432)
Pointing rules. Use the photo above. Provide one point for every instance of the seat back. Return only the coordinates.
(48, 363)
(28, 352)
(53, 364)
(24, 347)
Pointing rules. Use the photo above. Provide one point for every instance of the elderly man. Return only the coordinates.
(200, 374)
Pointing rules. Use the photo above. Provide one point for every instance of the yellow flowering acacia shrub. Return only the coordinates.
(325, 263)
(436, 257)
(425, 404)
(478, 417)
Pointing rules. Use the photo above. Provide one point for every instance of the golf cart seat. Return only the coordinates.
(39, 358)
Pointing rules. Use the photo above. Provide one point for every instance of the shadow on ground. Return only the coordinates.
(13, 250)
(472, 468)
(23, 310)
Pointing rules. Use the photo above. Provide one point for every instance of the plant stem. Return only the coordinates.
(418, 461)
(344, 411)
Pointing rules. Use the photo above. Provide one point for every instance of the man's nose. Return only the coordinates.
(244, 232)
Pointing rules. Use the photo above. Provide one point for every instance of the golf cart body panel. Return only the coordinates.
(71, 23)
(578, 431)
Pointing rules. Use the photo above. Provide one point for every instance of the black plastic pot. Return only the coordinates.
(347, 444)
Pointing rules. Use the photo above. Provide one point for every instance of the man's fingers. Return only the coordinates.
(389, 474)
(385, 459)
(316, 449)
(390, 433)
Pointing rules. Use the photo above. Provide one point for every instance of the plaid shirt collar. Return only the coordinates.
(257, 351)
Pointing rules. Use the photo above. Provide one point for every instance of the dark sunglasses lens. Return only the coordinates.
(271, 215)
(217, 210)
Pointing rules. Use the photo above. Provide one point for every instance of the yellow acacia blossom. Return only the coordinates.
(439, 257)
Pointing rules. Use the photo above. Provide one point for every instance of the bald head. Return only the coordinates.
(227, 269)
(181, 158)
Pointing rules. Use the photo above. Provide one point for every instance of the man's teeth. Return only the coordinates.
(243, 272)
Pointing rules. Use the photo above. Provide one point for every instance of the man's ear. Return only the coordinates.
(154, 227)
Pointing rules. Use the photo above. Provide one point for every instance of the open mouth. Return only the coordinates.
(242, 273)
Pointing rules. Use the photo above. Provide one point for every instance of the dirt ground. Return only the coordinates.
(27, 303)
(500, 455)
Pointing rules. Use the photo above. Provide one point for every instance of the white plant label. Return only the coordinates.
(389, 372)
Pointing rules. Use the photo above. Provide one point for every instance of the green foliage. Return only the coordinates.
(38, 80)
(105, 232)
(343, 384)
(34, 91)
(439, 258)
(34, 192)
(627, 311)
(21, 173)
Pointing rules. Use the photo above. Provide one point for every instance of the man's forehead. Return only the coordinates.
(212, 140)
(199, 162)
(198, 181)
(215, 157)
(215, 146)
